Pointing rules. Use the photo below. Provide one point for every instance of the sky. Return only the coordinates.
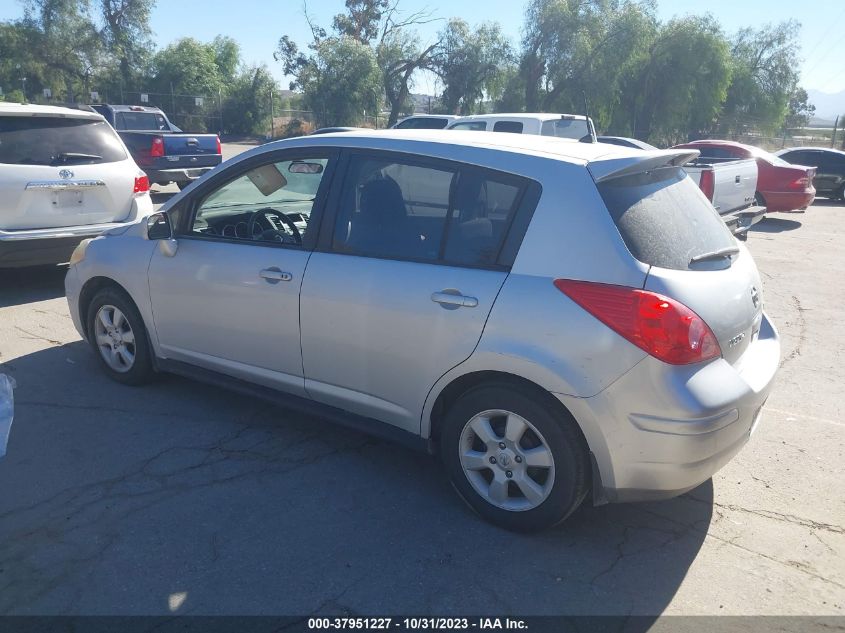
(257, 25)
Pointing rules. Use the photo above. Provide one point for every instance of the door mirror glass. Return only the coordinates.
(158, 227)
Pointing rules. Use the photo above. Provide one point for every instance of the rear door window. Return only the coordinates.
(58, 141)
(427, 211)
(664, 218)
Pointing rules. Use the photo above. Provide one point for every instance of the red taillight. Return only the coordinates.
(663, 327)
(799, 183)
(707, 183)
(219, 147)
(157, 148)
(142, 184)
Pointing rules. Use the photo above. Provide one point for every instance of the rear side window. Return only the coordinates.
(664, 218)
(514, 127)
(35, 140)
(141, 121)
(475, 126)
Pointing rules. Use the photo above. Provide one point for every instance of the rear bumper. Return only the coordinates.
(740, 221)
(788, 200)
(37, 247)
(662, 430)
(178, 174)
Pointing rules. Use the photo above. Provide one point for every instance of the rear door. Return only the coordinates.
(62, 171)
(402, 283)
(667, 223)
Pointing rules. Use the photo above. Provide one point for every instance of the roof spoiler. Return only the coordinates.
(610, 168)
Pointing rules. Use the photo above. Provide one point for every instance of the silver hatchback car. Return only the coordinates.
(559, 320)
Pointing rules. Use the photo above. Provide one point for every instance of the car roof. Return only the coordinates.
(131, 108)
(710, 141)
(33, 109)
(604, 160)
(808, 148)
(534, 116)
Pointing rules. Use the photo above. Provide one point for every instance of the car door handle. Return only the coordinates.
(274, 275)
(451, 300)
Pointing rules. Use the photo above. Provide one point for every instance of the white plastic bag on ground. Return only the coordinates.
(7, 409)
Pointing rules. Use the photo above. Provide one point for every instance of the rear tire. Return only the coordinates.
(518, 461)
(759, 200)
(116, 332)
(183, 184)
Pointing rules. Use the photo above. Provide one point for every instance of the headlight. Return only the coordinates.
(79, 252)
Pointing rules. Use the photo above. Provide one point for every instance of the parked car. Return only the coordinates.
(558, 320)
(780, 186)
(425, 122)
(165, 153)
(332, 130)
(572, 126)
(624, 141)
(64, 176)
(829, 179)
(730, 187)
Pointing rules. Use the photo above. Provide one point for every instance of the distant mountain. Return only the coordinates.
(828, 106)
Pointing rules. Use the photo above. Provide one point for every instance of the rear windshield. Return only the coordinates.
(141, 122)
(423, 123)
(566, 128)
(35, 140)
(664, 218)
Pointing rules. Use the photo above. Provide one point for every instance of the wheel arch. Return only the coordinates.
(89, 291)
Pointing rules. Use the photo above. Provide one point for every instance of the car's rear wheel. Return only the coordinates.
(515, 459)
(117, 334)
(182, 184)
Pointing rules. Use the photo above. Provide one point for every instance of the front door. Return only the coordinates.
(400, 292)
(228, 300)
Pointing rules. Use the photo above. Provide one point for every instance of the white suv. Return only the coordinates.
(576, 127)
(64, 175)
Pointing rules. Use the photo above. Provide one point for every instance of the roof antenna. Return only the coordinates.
(591, 137)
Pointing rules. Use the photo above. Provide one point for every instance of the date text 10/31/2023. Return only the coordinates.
(415, 624)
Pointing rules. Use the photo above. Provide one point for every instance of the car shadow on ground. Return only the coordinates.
(771, 224)
(177, 497)
(28, 285)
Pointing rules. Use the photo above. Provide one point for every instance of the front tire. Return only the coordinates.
(116, 332)
(518, 461)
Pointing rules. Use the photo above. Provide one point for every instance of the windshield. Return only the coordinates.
(57, 141)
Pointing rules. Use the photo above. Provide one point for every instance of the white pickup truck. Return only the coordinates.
(730, 186)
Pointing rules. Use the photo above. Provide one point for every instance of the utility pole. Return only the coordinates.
(833, 138)
(272, 116)
(172, 100)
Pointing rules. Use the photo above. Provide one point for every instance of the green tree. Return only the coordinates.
(340, 79)
(247, 108)
(66, 46)
(679, 89)
(127, 36)
(470, 63)
(227, 57)
(799, 110)
(765, 76)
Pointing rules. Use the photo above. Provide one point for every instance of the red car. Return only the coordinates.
(780, 185)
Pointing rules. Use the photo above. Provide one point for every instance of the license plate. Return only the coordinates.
(68, 199)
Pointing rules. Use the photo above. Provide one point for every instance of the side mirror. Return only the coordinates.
(160, 230)
(158, 227)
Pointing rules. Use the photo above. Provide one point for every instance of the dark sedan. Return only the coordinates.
(829, 164)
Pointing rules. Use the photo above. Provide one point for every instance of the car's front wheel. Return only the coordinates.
(117, 334)
(517, 460)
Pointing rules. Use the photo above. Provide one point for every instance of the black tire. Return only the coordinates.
(141, 370)
(840, 194)
(759, 200)
(559, 431)
(183, 184)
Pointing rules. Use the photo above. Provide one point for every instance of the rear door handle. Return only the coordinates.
(453, 299)
(274, 275)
